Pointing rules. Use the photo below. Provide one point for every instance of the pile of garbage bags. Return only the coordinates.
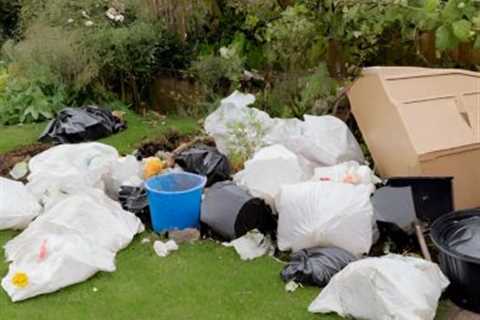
(313, 176)
(71, 227)
(305, 186)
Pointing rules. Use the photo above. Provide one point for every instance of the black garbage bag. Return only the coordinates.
(231, 212)
(74, 125)
(316, 266)
(206, 161)
(134, 200)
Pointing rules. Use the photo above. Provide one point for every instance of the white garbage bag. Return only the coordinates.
(18, 207)
(239, 129)
(328, 214)
(92, 214)
(348, 172)
(236, 128)
(270, 168)
(391, 287)
(53, 260)
(69, 243)
(69, 168)
(325, 141)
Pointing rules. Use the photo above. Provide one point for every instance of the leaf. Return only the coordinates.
(462, 29)
(445, 38)
(431, 5)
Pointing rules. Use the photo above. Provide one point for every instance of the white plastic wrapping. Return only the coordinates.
(391, 287)
(268, 170)
(325, 214)
(18, 207)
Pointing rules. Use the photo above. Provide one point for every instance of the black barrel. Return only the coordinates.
(457, 237)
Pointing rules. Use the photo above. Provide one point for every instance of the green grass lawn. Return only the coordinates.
(200, 281)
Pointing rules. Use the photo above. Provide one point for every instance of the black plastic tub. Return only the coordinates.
(457, 237)
(432, 196)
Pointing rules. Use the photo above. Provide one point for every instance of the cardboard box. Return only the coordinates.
(422, 122)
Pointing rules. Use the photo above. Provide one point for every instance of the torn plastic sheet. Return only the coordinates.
(73, 125)
(316, 266)
(252, 245)
(206, 161)
(163, 249)
(395, 205)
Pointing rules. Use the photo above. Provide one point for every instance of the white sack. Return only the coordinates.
(69, 243)
(18, 207)
(55, 260)
(237, 128)
(348, 172)
(232, 115)
(391, 287)
(92, 214)
(69, 168)
(270, 168)
(325, 141)
(327, 214)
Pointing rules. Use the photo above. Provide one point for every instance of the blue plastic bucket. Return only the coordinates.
(174, 200)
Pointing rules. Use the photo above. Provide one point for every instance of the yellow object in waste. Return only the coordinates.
(20, 280)
(153, 166)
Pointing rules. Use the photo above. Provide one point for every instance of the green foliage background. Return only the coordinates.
(301, 53)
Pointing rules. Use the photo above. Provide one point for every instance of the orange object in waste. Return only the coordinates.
(424, 123)
(153, 166)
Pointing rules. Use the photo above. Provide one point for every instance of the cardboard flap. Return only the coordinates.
(438, 124)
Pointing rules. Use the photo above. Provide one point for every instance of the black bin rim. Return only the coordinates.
(436, 232)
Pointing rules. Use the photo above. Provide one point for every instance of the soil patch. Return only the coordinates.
(10, 159)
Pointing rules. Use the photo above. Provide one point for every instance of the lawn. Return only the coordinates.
(201, 281)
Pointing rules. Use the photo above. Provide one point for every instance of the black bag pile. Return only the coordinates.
(74, 125)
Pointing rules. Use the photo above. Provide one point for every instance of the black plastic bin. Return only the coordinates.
(432, 196)
(457, 237)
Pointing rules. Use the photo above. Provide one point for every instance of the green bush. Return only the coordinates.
(22, 100)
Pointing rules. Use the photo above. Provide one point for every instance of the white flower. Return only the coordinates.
(70, 20)
(89, 23)
(85, 14)
(357, 34)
